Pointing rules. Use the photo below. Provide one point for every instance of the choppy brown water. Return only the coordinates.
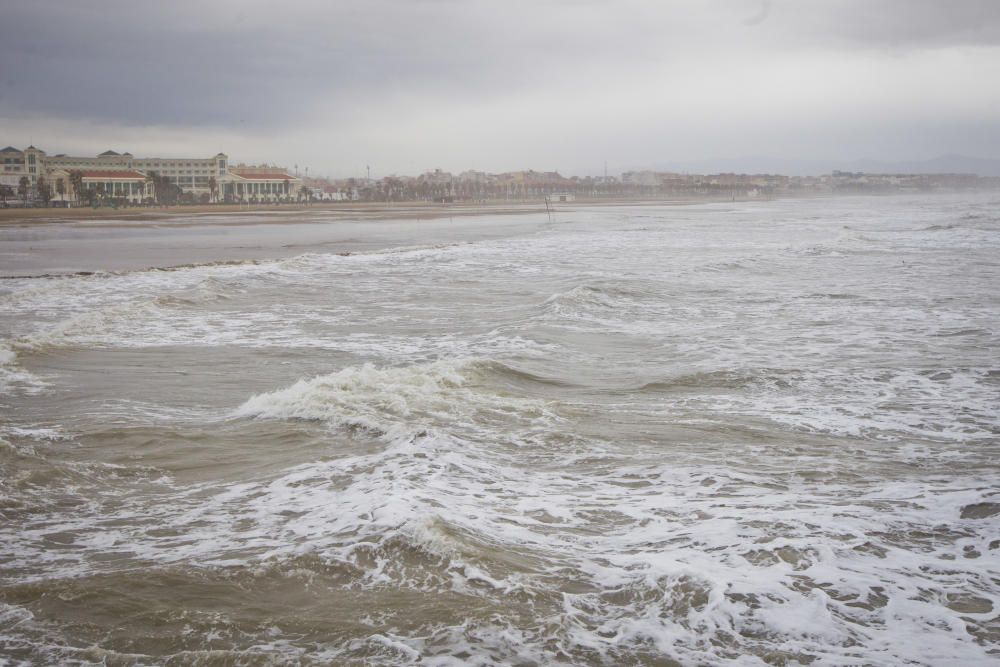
(750, 434)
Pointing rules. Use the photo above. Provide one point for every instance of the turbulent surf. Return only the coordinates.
(761, 433)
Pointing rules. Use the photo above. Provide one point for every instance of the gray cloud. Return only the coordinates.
(414, 82)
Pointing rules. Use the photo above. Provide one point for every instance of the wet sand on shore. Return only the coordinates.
(41, 247)
(322, 211)
(204, 213)
(50, 242)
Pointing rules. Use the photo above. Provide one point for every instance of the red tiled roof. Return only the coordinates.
(262, 175)
(116, 175)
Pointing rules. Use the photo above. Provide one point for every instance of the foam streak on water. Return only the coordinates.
(751, 434)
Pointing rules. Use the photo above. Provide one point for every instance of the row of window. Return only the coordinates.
(119, 188)
(185, 172)
(190, 181)
(207, 166)
(267, 187)
(174, 165)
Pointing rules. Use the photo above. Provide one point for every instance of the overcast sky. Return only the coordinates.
(408, 85)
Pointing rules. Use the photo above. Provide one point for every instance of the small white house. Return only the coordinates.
(558, 197)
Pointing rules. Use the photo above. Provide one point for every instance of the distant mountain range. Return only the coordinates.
(952, 163)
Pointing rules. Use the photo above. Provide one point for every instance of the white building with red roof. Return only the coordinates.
(262, 183)
(113, 183)
(126, 175)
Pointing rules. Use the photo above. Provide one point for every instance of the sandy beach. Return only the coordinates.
(323, 211)
(54, 241)
(45, 242)
(360, 210)
(36, 242)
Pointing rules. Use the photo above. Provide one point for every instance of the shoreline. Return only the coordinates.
(36, 243)
(75, 245)
(327, 212)
(271, 214)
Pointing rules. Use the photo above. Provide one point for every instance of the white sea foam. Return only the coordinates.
(13, 377)
(684, 570)
(888, 404)
(416, 397)
(730, 435)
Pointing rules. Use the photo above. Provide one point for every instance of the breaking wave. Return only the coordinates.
(452, 393)
(737, 436)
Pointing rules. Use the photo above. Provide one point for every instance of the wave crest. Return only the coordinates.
(383, 399)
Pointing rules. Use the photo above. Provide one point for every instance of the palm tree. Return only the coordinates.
(213, 187)
(44, 190)
(22, 188)
(76, 182)
(151, 178)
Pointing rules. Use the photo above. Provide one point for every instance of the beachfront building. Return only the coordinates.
(127, 184)
(121, 172)
(12, 168)
(262, 183)
(17, 164)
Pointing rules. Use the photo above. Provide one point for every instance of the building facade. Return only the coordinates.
(259, 184)
(113, 183)
(121, 173)
(18, 164)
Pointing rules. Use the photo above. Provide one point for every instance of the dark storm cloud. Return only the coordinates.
(181, 64)
(258, 63)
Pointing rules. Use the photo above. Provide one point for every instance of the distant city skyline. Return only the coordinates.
(409, 86)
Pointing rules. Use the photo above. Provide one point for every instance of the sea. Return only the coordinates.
(730, 433)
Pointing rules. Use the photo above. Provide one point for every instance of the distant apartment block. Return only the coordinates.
(124, 175)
